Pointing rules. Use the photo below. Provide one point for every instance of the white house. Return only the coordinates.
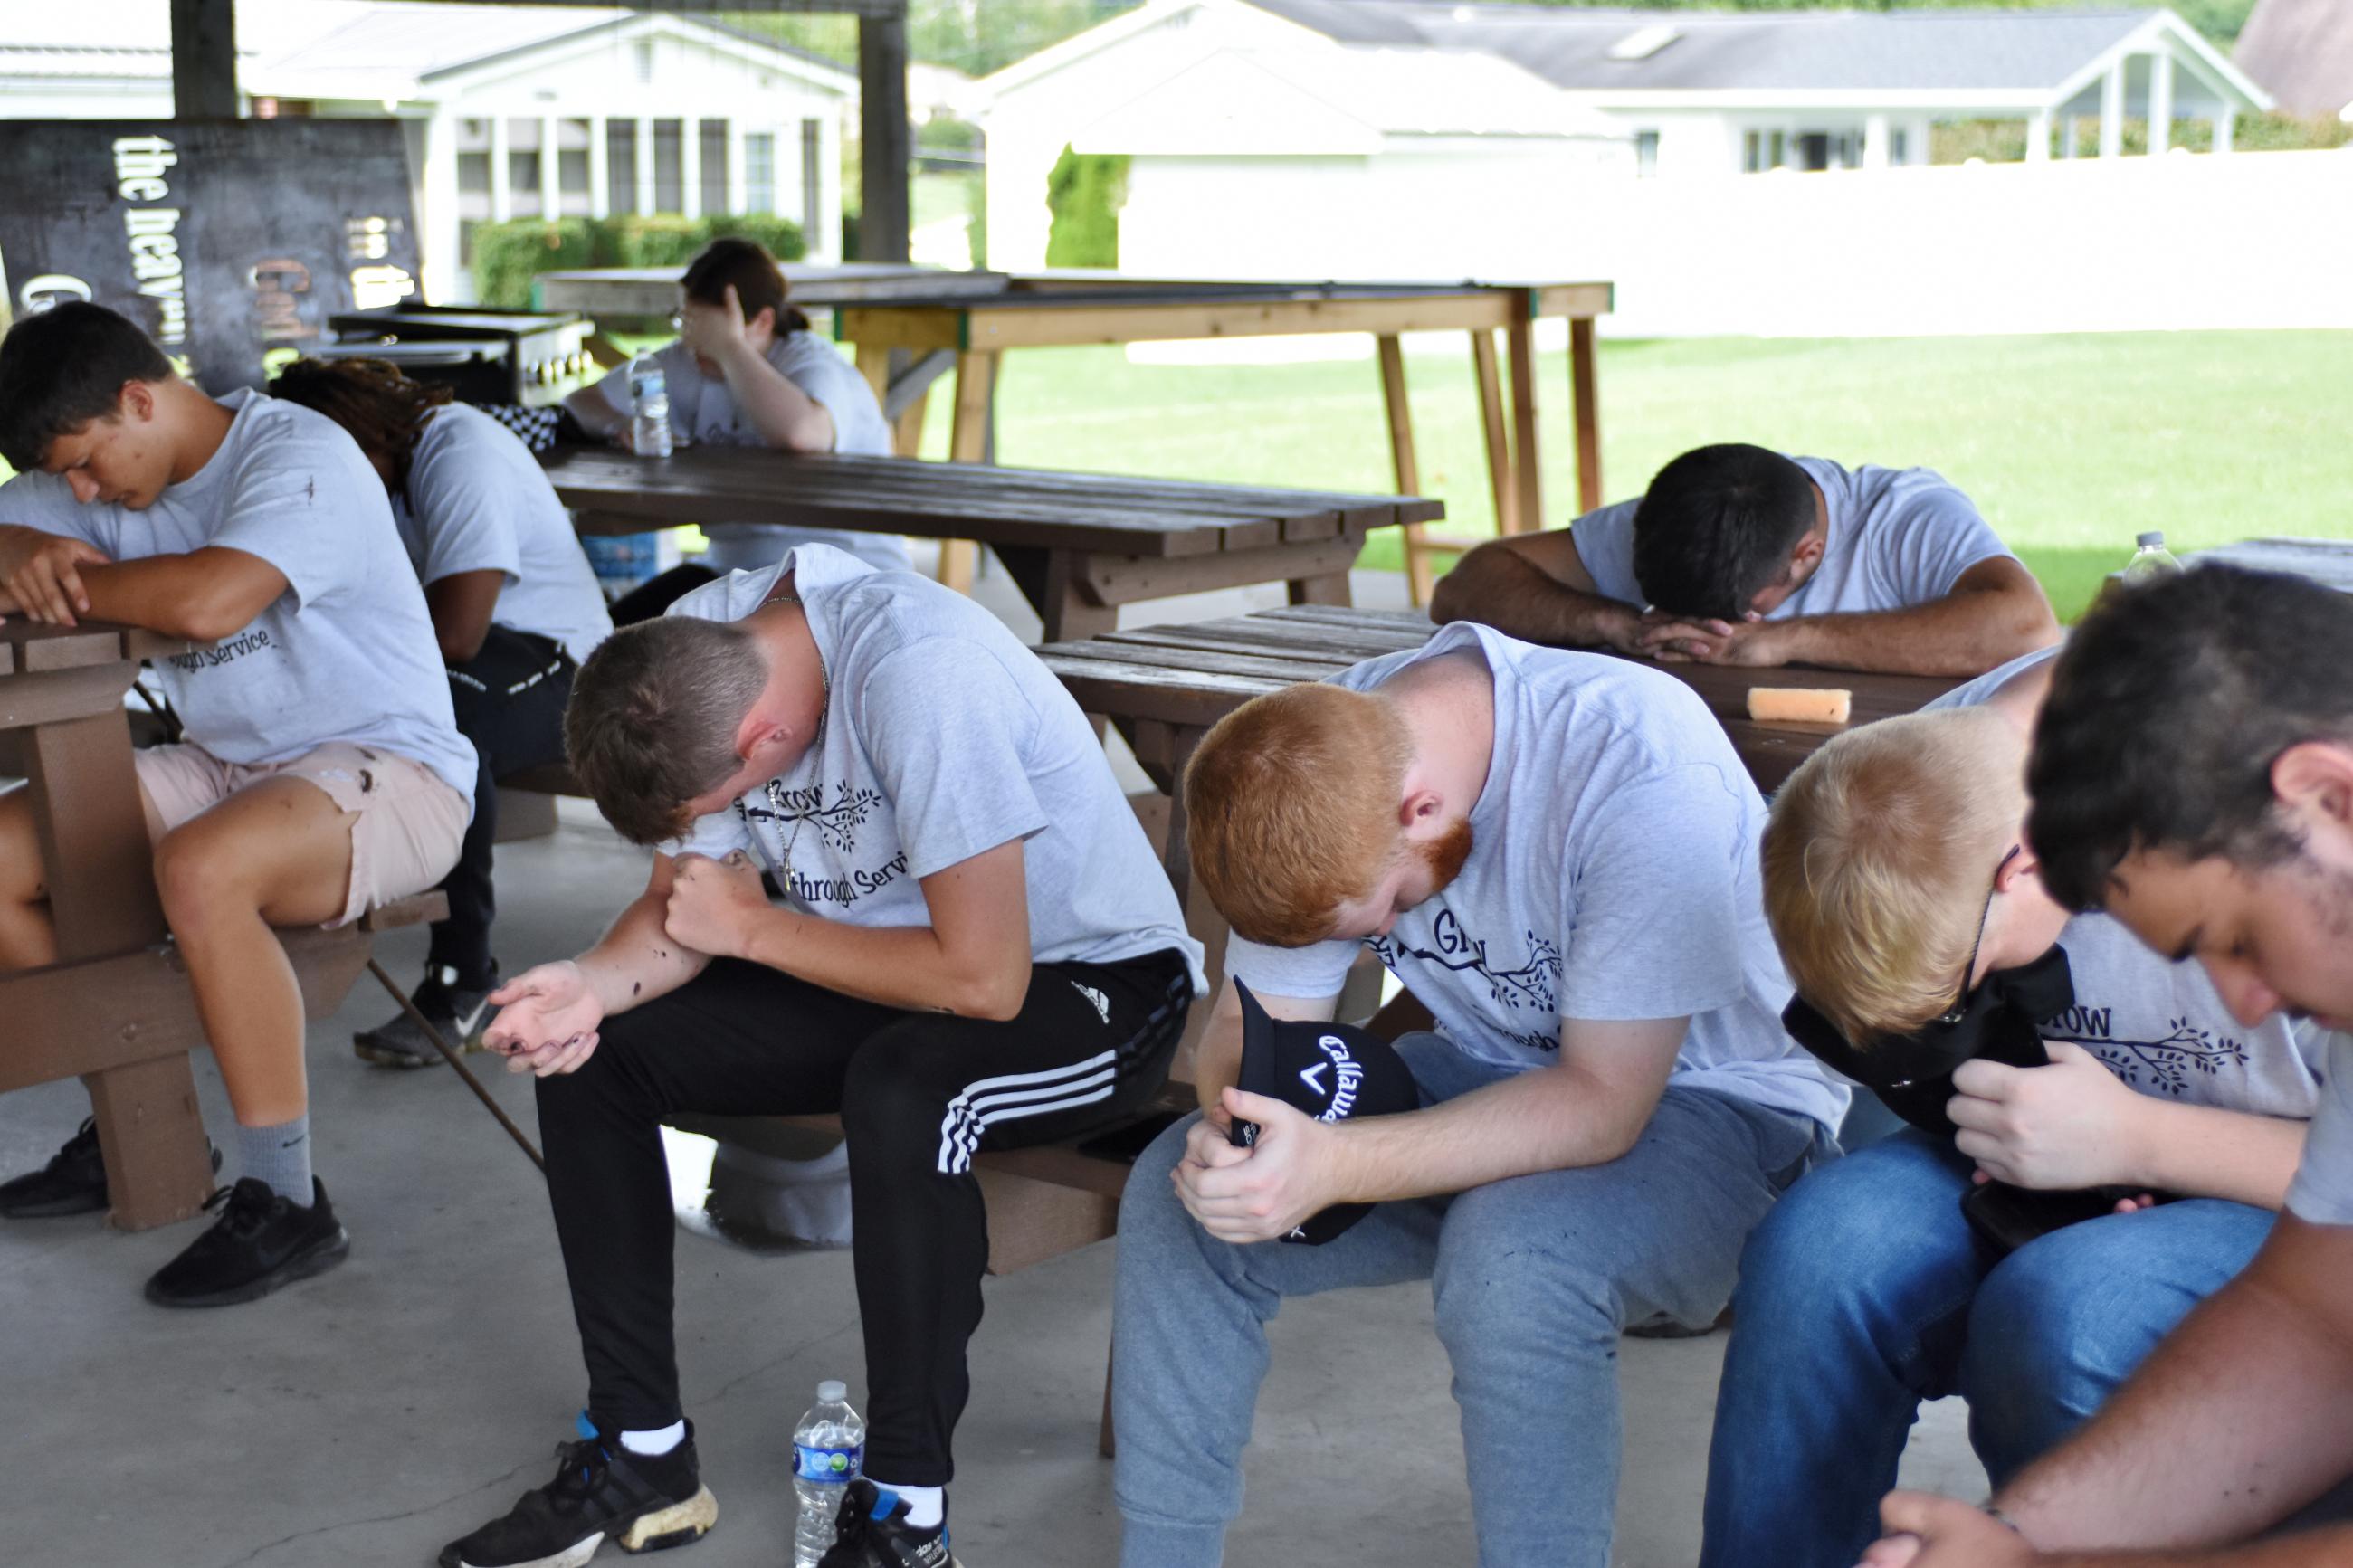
(512, 111)
(1240, 97)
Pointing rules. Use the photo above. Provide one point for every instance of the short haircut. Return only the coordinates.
(1291, 803)
(382, 410)
(653, 717)
(1717, 526)
(2167, 710)
(758, 281)
(64, 367)
(1879, 857)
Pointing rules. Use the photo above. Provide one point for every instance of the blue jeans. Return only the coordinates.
(1533, 1277)
(1864, 1292)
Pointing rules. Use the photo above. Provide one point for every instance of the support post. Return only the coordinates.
(501, 193)
(2225, 123)
(600, 169)
(1583, 391)
(204, 59)
(689, 165)
(1875, 142)
(2161, 103)
(884, 152)
(644, 168)
(2112, 110)
(2038, 137)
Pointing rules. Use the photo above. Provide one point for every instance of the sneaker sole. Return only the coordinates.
(316, 1259)
(368, 1050)
(679, 1524)
(84, 1202)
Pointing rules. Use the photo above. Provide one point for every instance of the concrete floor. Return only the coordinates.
(367, 1416)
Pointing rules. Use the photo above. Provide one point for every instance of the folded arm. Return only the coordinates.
(1996, 612)
(204, 595)
(1535, 588)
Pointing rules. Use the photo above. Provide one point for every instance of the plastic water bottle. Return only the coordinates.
(648, 407)
(2151, 562)
(828, 1451)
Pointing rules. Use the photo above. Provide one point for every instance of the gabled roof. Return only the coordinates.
(2301, 51)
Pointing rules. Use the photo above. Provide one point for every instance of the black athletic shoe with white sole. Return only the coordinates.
(459, 1012)
(872, 1531)
(643, 1503)
(260, 1243)
(73, 1182)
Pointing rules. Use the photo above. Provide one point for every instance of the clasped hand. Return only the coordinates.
(714, 903)
(547, 1019)
(2058, 1128)
(40, 576)
(1263, 1192)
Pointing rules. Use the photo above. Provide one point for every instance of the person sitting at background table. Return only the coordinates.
(322, 772)
(745, 371)
(1739, 555)
(2192, 775)
(1895, 879)
(515, 608)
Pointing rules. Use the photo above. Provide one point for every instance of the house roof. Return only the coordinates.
(2302, 53)
(326, 49)
(1773, 51)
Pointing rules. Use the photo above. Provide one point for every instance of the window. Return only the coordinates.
(1646, 154)
(644, 59)
(572, 166)
(522, 167)
(1763, 149)
(713, 167)
(621, 166)
(760, 171)
(1899, 146)
(670, 167)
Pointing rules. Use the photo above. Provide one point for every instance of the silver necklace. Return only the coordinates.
(816, 739)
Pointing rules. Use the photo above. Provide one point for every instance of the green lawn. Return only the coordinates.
(2070, 444)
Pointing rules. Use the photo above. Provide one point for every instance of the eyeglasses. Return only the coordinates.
(1952, 1015)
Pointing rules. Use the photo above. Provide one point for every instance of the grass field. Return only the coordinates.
(2070, 444)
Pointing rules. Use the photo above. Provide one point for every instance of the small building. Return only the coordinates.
(2302, 53)
(512, 111)
(1688, 94)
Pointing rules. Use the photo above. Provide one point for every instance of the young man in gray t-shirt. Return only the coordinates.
(1739, 555)
(893, 877)
(1556, 854)
(2192, 775)
(320, 772)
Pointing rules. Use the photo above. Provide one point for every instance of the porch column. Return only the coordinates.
(645, 163)
(689, 165)
(551, 183)
(443, 272)
(1875, 141)
(2224, 123)
(600, 170)
(502, 199)
(2112, 110)
(739, 196)
(2161, 103)
(2038, 137)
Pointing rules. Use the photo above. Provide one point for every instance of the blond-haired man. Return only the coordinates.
(1900, 886)
(1556, 852)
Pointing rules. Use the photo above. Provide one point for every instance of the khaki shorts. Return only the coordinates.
(410, 822)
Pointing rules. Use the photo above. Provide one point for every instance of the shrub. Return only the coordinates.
(1084, 192)
(656, 239)
(782, 236)
(508, 255)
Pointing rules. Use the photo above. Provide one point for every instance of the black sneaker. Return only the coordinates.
(260, 1243)
(644, 1501)
(872, 1531)
(459, 1012)
(73, 1182)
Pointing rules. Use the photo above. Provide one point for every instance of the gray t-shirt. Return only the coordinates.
(1898, 537)
(702, 409)
(346, 653)
(2322, 1193)
(2160, 1026)
(476, 502)
(1613, 875)
(943, 737)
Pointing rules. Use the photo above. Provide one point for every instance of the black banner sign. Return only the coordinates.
(230, 241)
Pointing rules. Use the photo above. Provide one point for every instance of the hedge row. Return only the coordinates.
(508, 255)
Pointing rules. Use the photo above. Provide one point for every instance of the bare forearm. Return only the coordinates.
(898, 966)
(162, 593)
(635, 960)
(1961, 635)
(2268, 1390)
(1504, 590)
(2199, 1151)
(2311, 1549)
(782, 413)
(596, 411)
(1552, 1119)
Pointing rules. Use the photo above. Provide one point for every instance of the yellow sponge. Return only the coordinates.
(1803, 704)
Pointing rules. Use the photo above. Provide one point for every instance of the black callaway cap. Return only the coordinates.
(1332, 1072)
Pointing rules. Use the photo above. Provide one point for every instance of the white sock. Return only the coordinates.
(926, 1506)
(655, 1443)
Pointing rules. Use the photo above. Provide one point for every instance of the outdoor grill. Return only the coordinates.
(483, 356)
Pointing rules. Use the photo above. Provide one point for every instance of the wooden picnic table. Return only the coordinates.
(1164, 687)
(1078, 545)
(978, 326)
(98, 1014)
(2328, 561)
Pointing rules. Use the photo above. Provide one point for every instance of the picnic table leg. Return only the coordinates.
(1052, 581)
(1585, 399)
(1527, 468)
(968, 443)
(102, 897)
(1496, 427)
(1404, 462)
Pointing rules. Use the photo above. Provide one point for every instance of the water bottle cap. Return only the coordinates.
(831, 1392)
(2151, 542)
